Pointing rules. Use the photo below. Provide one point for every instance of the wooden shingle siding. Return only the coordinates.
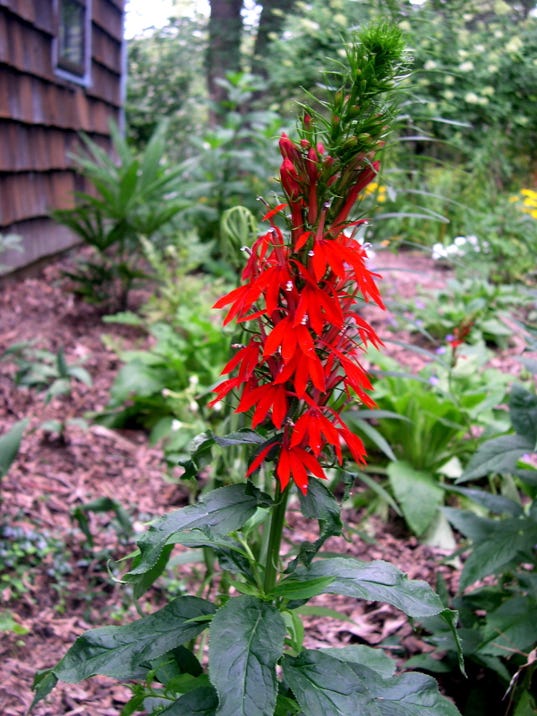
(42, 114)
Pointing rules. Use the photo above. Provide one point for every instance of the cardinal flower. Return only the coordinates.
(300, 296)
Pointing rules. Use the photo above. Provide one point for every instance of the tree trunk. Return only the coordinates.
(223, 53)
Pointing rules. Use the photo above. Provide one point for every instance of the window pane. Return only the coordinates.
(71, 39)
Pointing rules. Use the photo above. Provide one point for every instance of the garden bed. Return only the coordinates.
(59, 584)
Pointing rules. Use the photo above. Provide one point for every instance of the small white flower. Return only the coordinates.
(176, 425)
(467, 66)
(471, 98)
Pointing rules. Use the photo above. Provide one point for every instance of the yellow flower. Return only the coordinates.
(527, 199)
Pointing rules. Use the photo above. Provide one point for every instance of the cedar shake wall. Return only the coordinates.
(41, 115)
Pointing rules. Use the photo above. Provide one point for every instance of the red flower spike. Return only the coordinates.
(299, 296)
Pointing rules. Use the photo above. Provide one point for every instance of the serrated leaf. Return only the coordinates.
(324, 685)
(417, 492)
(246, 641)
(376, 581)
(499, 455)
(218, 513)
(124, 652)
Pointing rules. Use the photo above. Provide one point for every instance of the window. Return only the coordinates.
(72, 53)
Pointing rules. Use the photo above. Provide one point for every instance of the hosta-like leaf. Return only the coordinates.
(324, 685)
(417, 492)
(220, 512)
(246, 642)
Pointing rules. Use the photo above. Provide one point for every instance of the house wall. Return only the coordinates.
(41, 115)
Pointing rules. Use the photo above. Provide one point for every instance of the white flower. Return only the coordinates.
(439, 252)
(514, 45)
(471, 98)
(467, 66)
(430, 65)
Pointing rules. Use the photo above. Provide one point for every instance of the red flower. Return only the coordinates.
(299, 296)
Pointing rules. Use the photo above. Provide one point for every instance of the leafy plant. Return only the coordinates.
(132, 197)
(423, 425)
(23, 552)
(257, 662)
(476, 303)
(497, 587)
(44, 371)
(164, 389)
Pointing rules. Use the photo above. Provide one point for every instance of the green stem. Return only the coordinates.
(275, 538)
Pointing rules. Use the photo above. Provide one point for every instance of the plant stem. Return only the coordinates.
(275, 538)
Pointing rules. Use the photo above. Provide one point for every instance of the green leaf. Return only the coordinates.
(499, 455)
(246, 641)
(9, 445)
(9, 623)
(300, 589)
(324, 685)
(124, 652)
(523, 412)
(510, 542)
(510, 628)
(319, 504)
(44, 682)
(240, 437)
(418, 494)
(368, 656)
(376, 581)
(218, 513)
(199, 702)
(498, 504)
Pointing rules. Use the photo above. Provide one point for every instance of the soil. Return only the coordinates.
(64, 587)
